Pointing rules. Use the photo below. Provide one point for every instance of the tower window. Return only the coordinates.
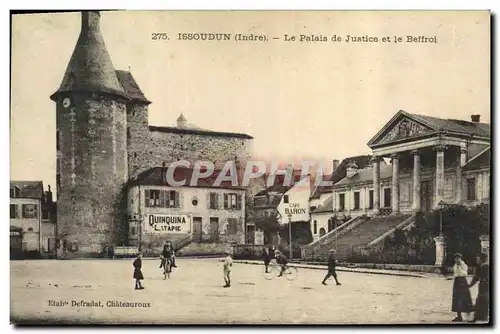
(128, 133)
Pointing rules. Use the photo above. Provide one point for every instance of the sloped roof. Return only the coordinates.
(29, 189)
(155, 177)
(365, 175)
(362, 161)
(455, 125)
(327, 207)
(169, 129)
(131, 87)
(482, 160)
(279, 186)
(434, 125)
(90, 68)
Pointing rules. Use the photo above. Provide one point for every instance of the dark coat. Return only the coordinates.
(483, 296)
(267, 256)
(137, 269)
(332, 263)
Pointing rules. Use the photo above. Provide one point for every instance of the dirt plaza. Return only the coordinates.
(102, 291)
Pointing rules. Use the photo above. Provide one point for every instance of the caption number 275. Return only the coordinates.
(159, 36)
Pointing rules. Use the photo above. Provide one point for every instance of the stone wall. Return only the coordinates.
(93, 170)
(149, 148)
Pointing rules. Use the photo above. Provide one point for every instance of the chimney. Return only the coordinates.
(335, 165)
(352, 168)
(48, 195)
(475, 118)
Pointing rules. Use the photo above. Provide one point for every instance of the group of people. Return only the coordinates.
(462, 300)
(168, 253)
(272, 253)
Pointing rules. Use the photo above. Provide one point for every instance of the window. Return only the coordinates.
(58, 180)
(45, 214)
(214, 201)
(471, 189)
(232, 202)
(341, 202)
(58, 140)
(356, 200)
(132, 230)
(128, 133)
(285, 199)
(14, 192)
(370, 200)
(162, 198)
(13, 211)
(30, 211)
(315, 227)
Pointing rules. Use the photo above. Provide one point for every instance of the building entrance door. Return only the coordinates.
(250, 235)
(426, 196)
(197, 229)
(387, 198)
(214, 229)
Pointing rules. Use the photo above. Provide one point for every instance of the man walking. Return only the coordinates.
(332, 263)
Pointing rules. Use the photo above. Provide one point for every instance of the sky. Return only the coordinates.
(300, 100)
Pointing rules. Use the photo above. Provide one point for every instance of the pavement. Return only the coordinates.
(194, 295)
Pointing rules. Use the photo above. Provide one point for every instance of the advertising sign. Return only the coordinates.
(179, 224)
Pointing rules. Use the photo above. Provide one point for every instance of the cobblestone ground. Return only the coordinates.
(194, 294)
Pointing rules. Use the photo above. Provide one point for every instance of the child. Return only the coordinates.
(228, 263)
(137, 272)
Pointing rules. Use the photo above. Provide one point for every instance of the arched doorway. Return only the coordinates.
(322, 232)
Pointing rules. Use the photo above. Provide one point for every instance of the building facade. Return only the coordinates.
(434, 162)
(104, 140)
(32, 220)
(201, 213)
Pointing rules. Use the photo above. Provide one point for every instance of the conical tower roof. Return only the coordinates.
(90, 68)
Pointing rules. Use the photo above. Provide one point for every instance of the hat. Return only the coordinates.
(457, 255)
(332, 250)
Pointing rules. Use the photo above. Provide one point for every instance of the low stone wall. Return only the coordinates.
(204, 249)
(394, 266)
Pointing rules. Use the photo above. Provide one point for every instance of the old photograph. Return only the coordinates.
(250, 167)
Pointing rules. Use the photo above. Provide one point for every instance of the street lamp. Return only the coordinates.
(290, 233)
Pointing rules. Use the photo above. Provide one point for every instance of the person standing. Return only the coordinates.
(228, 263)
(461, 300)
(138, 272)
(332, 263)
(267, 258)
(483, 296)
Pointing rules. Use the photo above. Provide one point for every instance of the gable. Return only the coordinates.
(401, 126)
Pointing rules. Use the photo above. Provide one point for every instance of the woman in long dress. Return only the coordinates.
(483, 296)
(462, 301)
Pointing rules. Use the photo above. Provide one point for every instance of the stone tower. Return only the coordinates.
(91, 147)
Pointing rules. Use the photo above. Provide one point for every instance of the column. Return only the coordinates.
(416, 181)
(485, 244)
(461, 159)
(376, 184)
(440, 251)
(395, 183)
(439, 175)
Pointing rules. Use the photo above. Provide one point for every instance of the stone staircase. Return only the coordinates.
(319, 249)
(358, 233)
(365, 233)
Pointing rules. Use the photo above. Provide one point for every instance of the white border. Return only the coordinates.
(200, 4)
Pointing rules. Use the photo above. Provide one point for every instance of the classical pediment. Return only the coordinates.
(400, 127)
